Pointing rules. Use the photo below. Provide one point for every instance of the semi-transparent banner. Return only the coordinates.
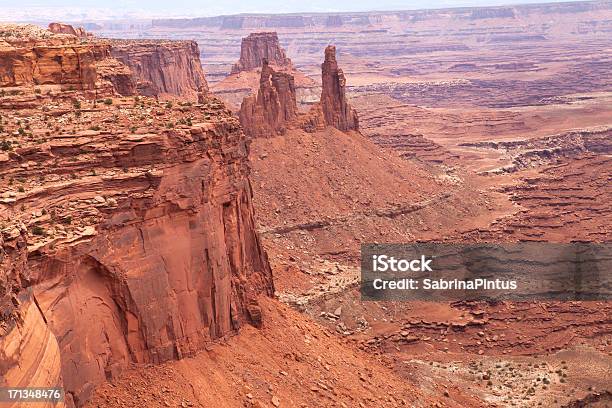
(518, 271)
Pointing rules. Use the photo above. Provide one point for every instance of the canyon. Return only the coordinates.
(213, 233)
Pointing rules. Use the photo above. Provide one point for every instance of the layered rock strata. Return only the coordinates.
(60, 28)
(65, 59)
(132, 214)
(163, 67)
(360, 20)
(257, 47)
(274, 108)
(268, 113)
(30, 56)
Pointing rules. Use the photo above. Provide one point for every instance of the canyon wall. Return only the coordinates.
(158, 247)
(363, 19)
(68, 58)
(163, 67)
(121, 242)
(257, 47)
(268, 113)
(32, 56)
(29, 352)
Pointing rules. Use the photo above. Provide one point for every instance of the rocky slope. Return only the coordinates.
(146, 228)
(290, 362)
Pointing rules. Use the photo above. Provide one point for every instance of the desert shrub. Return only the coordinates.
(38, 230)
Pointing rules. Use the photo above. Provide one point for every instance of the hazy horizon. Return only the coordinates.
(77, 10)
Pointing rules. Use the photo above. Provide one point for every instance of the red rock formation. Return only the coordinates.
(147, 231)
(268, 113)
(274, 107)
(30, 349)
(33, 56)
(257, 47)
(117, 76)
(336, 110)
(150, 235)
(60, 28)
(163, 67)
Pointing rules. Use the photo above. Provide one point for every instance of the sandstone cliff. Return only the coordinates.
(258, 47)
(268, 113)
(31, 56)
(336, 110)
(29, 355)
(63, 58)
(60, 28)
(131, 214)
(148, 232)
(163, 67)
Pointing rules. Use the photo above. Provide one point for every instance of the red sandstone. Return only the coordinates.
(258, 47)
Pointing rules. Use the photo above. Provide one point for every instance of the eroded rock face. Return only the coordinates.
(133, 239)
(166, 67)
(274, 109)
(32, 56)
(60, 28)
(149, 235)
(68, 59)
(258, 47)
(269, 112)
(336, 110)
(29, 354)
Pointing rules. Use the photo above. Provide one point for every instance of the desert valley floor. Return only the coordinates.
(456, 125)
